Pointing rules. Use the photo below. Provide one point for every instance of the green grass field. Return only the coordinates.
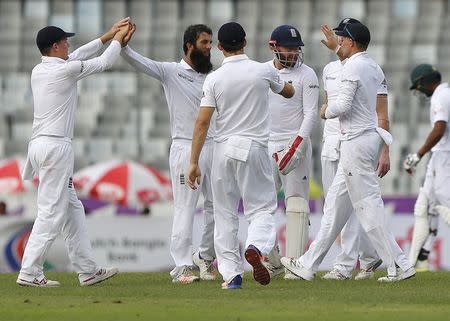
(152, 296)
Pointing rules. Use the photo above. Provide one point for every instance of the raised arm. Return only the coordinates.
(90, 49)
(310, 103)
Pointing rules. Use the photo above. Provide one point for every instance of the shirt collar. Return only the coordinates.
(185, 65)
(47, 59)
(357, 55)
(441, 86)
(235, 58)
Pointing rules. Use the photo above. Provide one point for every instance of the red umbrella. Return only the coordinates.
(11, 177)
(123, 182)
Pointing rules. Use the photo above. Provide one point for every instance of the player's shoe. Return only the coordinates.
(234, 284)
(365, 274)
(422, 266)
(335, 274)
(273, 270)
(296, 268)
(403, 275)
(100, 276)
(288, 275)
(186, 276)
(206, 267)
(260, 272)
(42, 283)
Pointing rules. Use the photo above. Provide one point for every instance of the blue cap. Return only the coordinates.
(49, 35)
(286, 36)
(231, 33)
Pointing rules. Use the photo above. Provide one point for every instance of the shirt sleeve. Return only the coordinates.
(440, 109)
(276, 84)
(324, 77)
(208, 97)
(382, 87)
(86, 51)
(310, 104)
(83, 68)
(347, 91)
(146, 65)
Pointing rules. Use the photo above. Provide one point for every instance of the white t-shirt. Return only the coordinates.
(440, 111)
(355, 104)
(54, 86)
(297, 115)
(331, 81)
(182, 87)
(239, 90)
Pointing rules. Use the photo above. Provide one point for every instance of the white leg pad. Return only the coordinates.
(421, 226)
(444, 212)
(297, 226)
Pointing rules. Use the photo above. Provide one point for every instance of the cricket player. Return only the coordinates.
(433, 198)
(50, 153)
(354, 242)
(289, 119)
(238, 92)
(182, 82)
(356, 180)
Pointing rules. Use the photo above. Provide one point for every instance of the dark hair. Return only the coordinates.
(362, 46)
(192, 33)
(45, 51)
(233, 48)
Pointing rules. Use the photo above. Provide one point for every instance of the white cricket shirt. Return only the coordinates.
(239, 90)
(182, 87)
(297, 115)
(355, 104)
(54, 86)
(440, 111)
(331, 81)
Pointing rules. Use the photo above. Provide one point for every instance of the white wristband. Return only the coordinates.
(337, 49)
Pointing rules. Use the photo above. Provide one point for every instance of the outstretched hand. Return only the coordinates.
(129, 35)
(330, 40)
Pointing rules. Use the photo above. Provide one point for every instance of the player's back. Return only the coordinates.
(241, 89)
(54, 98)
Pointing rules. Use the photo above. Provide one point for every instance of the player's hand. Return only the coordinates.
(411, 162)
(323, 110)
(193, 176)
(123, 31)
(330, 40)
(119, 24)
(384, 162)
(288, 158)
(129, 35)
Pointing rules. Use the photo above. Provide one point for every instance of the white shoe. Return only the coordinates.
(273, 270)
(100, 276)
(409, 273)
(288, 275)
(43, 283)
(368, 273)
(296, 268)
(186, 276)
(422, 266)
(206, 267)
(334, 274)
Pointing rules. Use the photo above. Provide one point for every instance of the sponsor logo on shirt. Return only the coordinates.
(182, 180)
(330, 78)
(314, 86)
(82, 67)
(188, 78)
(70, 182)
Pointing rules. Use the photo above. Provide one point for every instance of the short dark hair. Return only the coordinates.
(362, 46)
(234, 47)
(45, 51)
(192, 33)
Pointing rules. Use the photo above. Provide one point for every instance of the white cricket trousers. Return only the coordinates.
(354, 241)
(437, 180)
(356, 183)
(253, 181)
(59, 210)
(185, 204)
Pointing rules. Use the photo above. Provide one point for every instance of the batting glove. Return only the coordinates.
(288, 158)
(411, 162)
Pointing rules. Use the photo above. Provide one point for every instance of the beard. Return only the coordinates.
(202, 63)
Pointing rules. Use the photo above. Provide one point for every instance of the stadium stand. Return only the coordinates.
(123, 114)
